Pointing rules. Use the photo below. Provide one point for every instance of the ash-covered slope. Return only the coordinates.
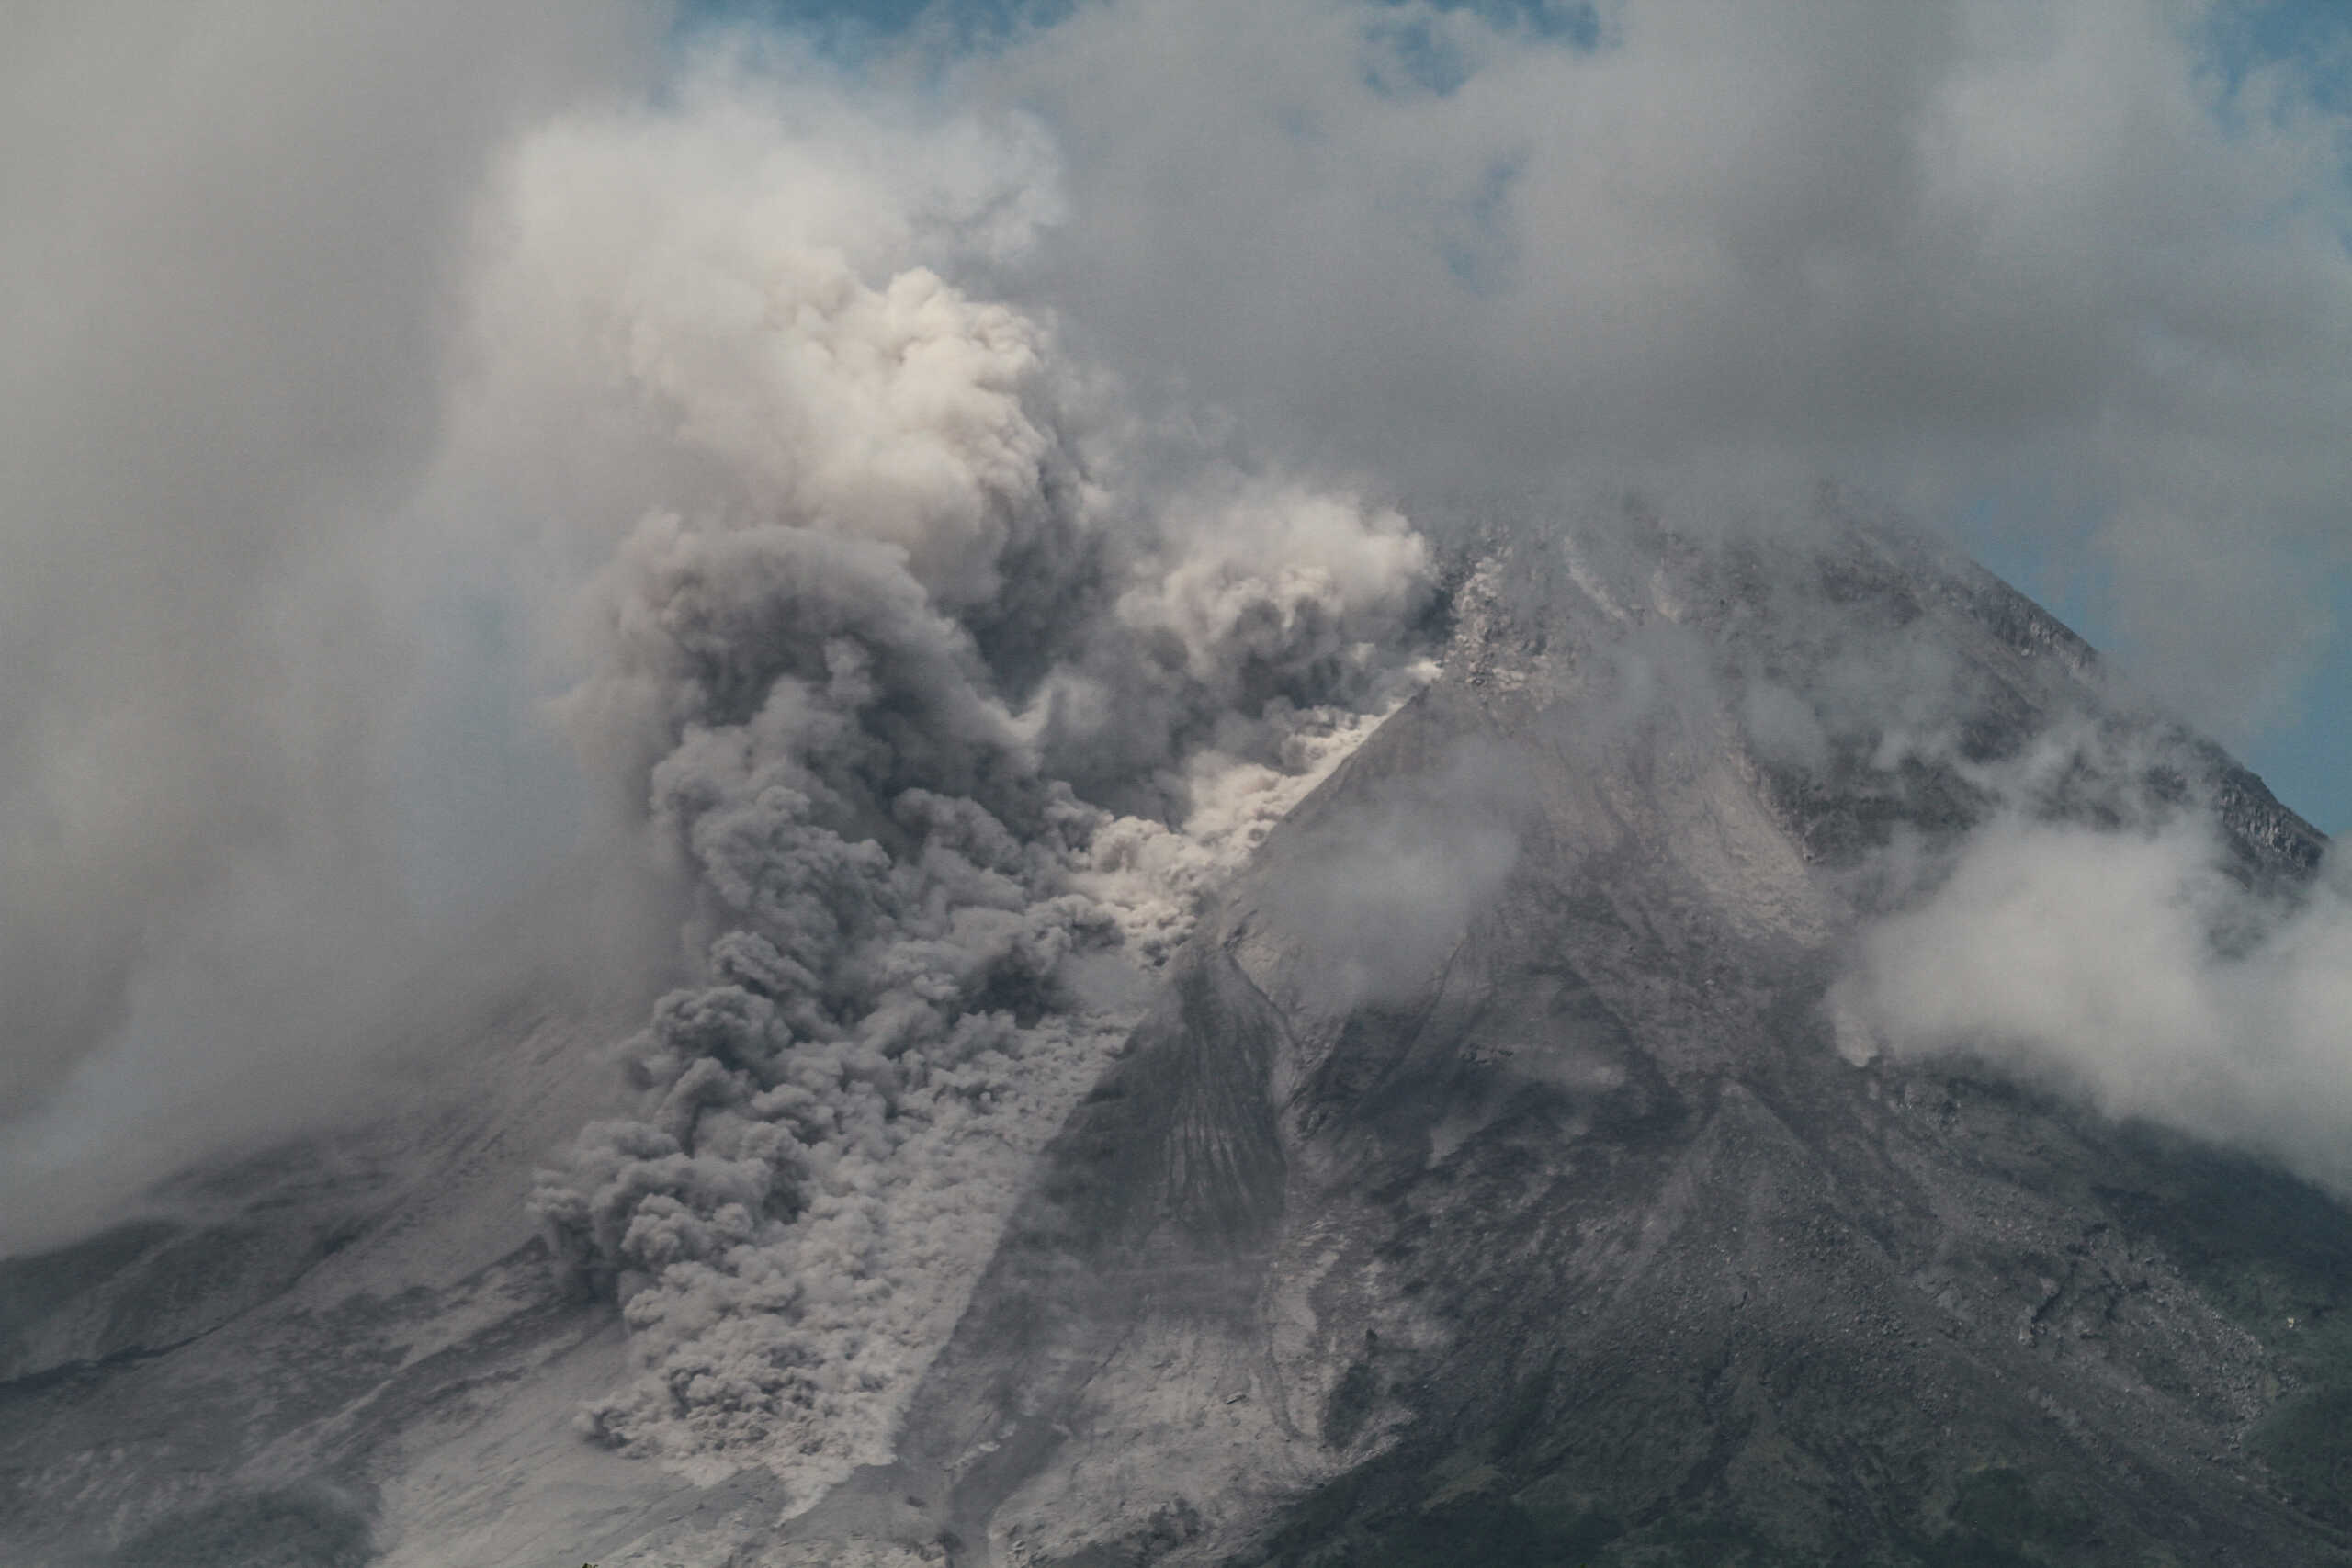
(1492, 1183)
(1498, 1177)
(353, 1349)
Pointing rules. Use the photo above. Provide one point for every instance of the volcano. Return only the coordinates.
(1495, 1175)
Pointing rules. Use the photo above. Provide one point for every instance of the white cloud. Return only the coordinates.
(2130, 968)
(940, 465)
(226, 234)
(1946, 250)
(900, 609)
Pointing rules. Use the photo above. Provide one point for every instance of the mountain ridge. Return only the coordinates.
(1491, 1175)
(1688, 1090)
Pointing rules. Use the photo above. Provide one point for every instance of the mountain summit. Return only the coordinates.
(1497, 1181)
(1526, 1159)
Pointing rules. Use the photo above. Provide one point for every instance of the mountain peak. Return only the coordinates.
(1490, 1184)
(1508, 1166)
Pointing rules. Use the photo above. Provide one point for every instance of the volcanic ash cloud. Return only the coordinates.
(949, 721)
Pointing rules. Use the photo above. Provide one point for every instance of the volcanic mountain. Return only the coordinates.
(1498, 1174)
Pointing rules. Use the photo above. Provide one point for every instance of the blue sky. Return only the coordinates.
(2306, 758)
(2305, 755)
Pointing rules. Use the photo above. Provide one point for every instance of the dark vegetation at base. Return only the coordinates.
(305, 1527)
(2000, 1518)
(1167, 1529)
(2307, 1443)
(1370, 1519)
(2275, 1254)
(1496, 1483)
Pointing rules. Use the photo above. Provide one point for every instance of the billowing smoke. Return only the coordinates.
(949, 718)
(226, 231)
(2097, 935)
(1381, 892)
(2132, 969)
(963, 504)
(2075, 274)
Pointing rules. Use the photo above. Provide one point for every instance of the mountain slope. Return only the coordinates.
(1567, 1233)
(1494, 1179)
(353, 1349)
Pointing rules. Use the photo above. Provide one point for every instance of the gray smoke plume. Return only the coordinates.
(2077, 271)
(226, 231)
(948, 723)
(962, 507)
